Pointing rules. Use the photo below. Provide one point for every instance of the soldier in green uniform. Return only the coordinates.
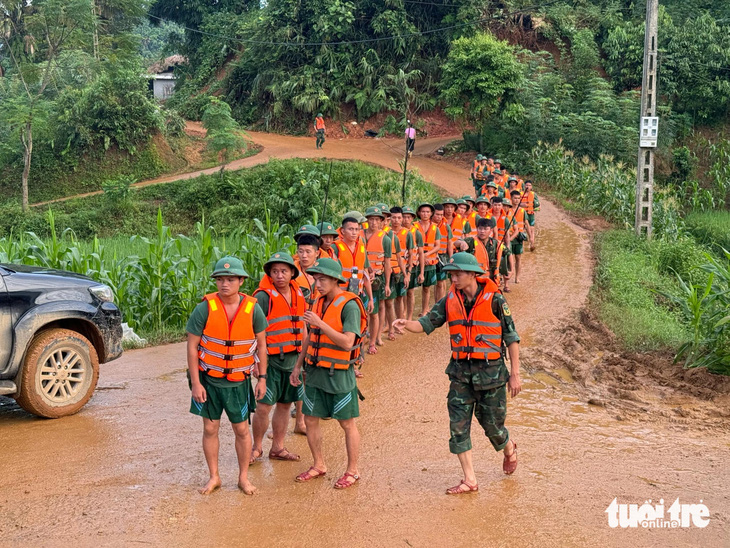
(485, 234)
(479, 379)
(330, 393)
(214, 392)
(417, 267)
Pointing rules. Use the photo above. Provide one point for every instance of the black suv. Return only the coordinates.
(55, 329)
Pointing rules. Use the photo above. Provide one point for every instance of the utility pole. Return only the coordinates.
(649, 125)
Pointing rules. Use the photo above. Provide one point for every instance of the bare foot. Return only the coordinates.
(213, 484)
(359, 374)
(247, 487)
(270, 435)
(372, 349)
(391, 336)
(300, 429)
(379, 342)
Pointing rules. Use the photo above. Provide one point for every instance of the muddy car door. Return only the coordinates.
(6, 324)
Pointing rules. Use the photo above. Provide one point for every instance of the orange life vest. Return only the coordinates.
(319, 123)
(415, 254)
(471, 218)
(457, 227)
(376, 252)
(402, 237)
(481, 255)
(500, 224)
(429, 242)
(477, 335)
(529, 200)
(308, 289)
(228, 348)
(323, 351)
(285, 330)
(353, 264)
(444, 241)
(517, 220)
(325, 254)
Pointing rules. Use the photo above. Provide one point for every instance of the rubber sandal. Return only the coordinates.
(507, 290)
(509, 466)
(308, 475)
(253, 460)
(458, 490)
(343, 482)
(283, 454)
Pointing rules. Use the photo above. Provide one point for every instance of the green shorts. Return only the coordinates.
(394, 280)
(318, 403)
(414, 278)
(440, 274)
(279, 389)
(530, 218)
(400, 285)
(429, 276)
(517, 248)
(237, 400)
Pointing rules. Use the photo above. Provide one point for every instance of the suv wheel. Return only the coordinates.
(59, 376)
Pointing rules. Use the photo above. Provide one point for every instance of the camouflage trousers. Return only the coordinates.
(490, 408)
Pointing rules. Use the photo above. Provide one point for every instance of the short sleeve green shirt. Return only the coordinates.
(286, 361)
(342, 380)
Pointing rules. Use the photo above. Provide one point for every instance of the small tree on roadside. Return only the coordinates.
(224, 134)
(479, 74)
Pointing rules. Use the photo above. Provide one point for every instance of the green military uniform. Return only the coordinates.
(396, 279)
(536, 204)
(478, 387)
(492, 247)
(280, 366)
(417, 240)
(378, 283)
(440, 274)
(236, 398)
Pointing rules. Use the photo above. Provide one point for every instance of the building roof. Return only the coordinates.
(166, 64)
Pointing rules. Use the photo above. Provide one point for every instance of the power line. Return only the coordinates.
(364, 40)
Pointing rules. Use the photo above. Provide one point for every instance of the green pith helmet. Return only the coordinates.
(498, 162)
(425, 204)
(497, 172)
(306, 229)
(511, 178)
(408, 210)
(480, 157)
(229, 266)
(492, 184)
(281, 257)
(463, 261)
(327, 229)
(468, 198)
(384, 209)
(355, 215)
(461, 201)
(328, 267)
(483, 199)
(448, 201)
(319, 115)
(374, 211)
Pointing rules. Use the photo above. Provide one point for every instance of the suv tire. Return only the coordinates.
(60, 372)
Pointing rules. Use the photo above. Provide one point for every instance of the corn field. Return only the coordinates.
(605, 187)
(156, 281)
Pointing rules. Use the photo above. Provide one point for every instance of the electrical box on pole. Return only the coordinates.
(649, 124)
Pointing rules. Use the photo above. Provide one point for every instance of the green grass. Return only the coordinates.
(711, 228)
(628, 275)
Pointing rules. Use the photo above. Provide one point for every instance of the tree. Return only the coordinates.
(224, 134)
(35, 36)
(479, 75)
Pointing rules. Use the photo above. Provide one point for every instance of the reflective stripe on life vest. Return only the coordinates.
(323, 351)
(286, 326)
(376, 253)
(353, 265)
(429, 242)
(477, 335)
(228, 348)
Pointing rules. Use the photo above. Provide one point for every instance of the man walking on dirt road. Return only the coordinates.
(329, 354)
(480, 325)
(319, 130)
(221, 355)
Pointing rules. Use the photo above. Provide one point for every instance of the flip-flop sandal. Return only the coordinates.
(344, 483)
(459, 490)
(308, 475)
(509, 466)
(372, 349)
(253, 460)
(507, 290)
(283, 454)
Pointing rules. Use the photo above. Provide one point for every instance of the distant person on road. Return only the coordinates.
(329, 354)
(319, 129)
(410, 138)
(283, 302)
(480, 325)
(222, 354)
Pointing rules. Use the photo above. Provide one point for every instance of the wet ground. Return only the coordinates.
(125, 470)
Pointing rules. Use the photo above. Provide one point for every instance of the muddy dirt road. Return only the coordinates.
(125, 470)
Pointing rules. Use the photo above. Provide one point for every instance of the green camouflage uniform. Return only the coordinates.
(478, 387)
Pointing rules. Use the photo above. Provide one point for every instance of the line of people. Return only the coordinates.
(304, 332)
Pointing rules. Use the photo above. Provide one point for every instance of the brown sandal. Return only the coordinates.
(344, 482)
(312, 473)
(253, 460)
(509, 466)
(459, 490)
(282, 454)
